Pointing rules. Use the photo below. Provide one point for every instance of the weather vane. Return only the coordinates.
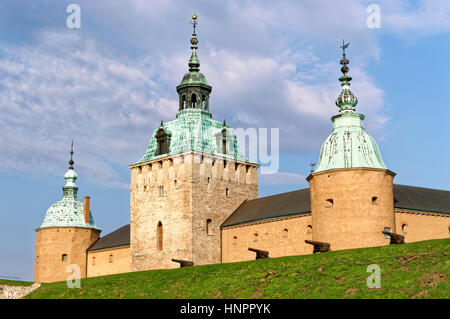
(194, 21)
(312, 166)
(344, 46)
(71, 155)
(344, 60)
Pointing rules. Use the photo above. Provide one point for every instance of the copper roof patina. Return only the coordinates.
(194, 129)
(348, 144)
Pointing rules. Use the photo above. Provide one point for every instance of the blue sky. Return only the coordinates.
(271, 64)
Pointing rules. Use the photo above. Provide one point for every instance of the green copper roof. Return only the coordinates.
(348, 144)
(193, 129)
(68, 212)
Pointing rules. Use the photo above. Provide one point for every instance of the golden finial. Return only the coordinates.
(194, 22)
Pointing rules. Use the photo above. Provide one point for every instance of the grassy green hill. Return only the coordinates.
(417, 270)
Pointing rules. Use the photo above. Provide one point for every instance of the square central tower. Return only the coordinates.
(192, 177)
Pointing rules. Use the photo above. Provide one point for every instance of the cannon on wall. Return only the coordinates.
(395, 238)
(319, 247)
(260, 254)
(183, 263)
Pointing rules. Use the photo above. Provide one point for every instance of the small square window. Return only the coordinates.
(388, 229)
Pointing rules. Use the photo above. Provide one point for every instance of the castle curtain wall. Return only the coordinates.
(418, 226)
(282, 237)
(108, 261)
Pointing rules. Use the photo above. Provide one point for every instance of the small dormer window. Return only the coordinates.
(222, 142)
(162, 141)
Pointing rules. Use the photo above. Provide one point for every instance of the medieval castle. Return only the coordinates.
(193, 197)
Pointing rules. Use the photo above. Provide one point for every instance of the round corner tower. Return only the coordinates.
(351, 190)
(67, 231)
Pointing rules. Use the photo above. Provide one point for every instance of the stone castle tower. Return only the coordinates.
(351, 190)
(67, 231)
(192, 177)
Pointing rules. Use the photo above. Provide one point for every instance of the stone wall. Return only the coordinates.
(281, 237)
(52, 243)
(108, 261)
(417, 226)
(16, 292)
(351, 207)
(195, 188)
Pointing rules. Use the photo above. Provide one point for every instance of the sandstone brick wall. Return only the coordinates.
(195, 189)
(421, 225)
(218, 189)
(282, 237)
(353, 220)
(52, 243)
(108, 261)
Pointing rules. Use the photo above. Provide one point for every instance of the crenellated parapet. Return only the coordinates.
(207, 168)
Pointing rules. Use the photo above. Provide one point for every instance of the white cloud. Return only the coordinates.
(109, 92)
(52, 93)
(410, 19)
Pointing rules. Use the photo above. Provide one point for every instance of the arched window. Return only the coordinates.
(93, 261)
(309, 229)
(159, 236)
(404, 228)
(285, 233)
(329, 203)
(255, 237)
(64, 257)
(162, 141)
(183, 102)
(208, 227)
(204, 102)
(110, 259)
(235, 240)
(374, 200)
(193, 101)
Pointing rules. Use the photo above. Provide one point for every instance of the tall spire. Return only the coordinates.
(194, 90)
(347, 100)
(194, 62)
